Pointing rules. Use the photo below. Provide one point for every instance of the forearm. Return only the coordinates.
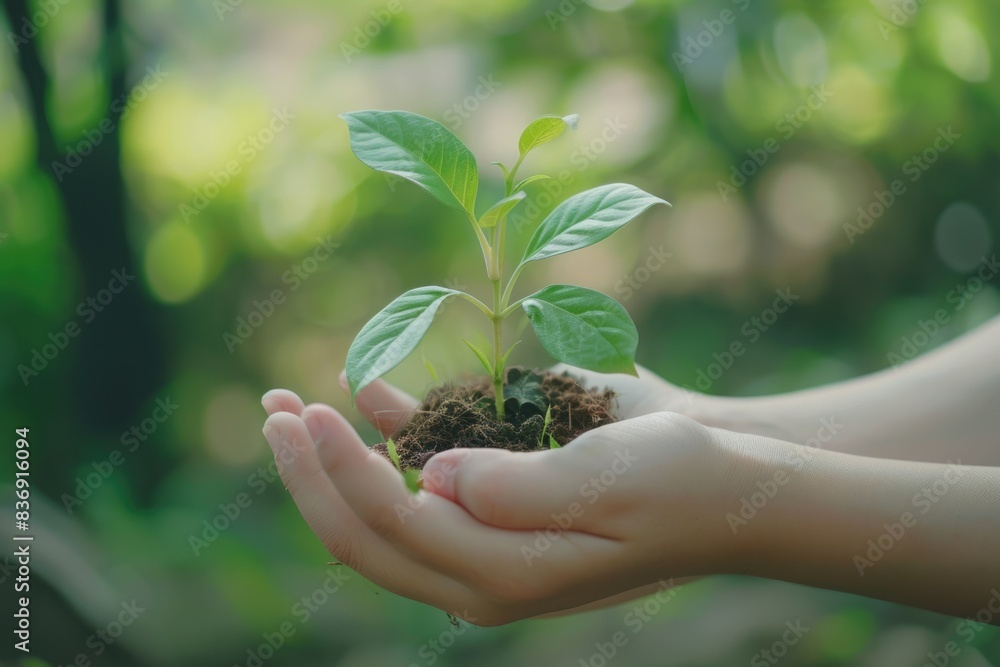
(922, 534)
(944, 405)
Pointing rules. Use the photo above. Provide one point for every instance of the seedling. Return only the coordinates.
(411, 476)
(575, 325)
(545, 431)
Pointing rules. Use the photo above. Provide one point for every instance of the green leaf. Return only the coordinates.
(530, 179)
(393, 455)
(412, 479)
(481, 356)
(430, 368)
(523, 393)
(392, 334)
(586, 218)
(545, 426)
(543, 130)
(418, 149)
(553, 444)
(503, 360)
(583, 328)
(499, 210)
(503, 168)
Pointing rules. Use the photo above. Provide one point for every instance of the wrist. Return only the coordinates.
(768, 416)
(757, 473)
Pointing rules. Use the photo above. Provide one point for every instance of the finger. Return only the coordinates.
(566, 487)
(282, 400)
(520, 491)
(385, 407)
(344, 535)
(635, 396)
(441, 534)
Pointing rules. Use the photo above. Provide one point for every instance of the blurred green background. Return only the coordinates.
(196, 147)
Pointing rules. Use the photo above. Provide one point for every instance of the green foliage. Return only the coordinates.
(586, 218)
(584, 328)
(545, 431)
(419, 150)
(411, 475)
(575, 325)
(392, 334)
(497, 212)
(544, 130)
(522, 395)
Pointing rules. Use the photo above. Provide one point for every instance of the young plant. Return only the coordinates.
(577, 326)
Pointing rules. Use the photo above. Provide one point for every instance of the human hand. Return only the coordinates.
(620, 511)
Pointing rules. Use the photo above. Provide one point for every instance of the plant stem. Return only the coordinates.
(497, 350)
(513, 173)
(494, 267)
(510, 287)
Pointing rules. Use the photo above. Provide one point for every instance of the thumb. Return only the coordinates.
(513, 490)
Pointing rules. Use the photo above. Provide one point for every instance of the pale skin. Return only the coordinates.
(900, 469)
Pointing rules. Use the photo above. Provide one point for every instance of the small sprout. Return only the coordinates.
(430, 368)
(412, 479)
(411, 475)
(523, 395)
(577, 326)
(545, 431)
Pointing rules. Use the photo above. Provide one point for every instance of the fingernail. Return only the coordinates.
(343, 380)
(315, 426)
(270, 405)
(439, 474)
(272, 435)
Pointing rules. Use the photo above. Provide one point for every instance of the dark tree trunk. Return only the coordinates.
(118, 358)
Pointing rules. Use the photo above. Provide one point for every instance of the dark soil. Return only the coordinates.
(456, 415)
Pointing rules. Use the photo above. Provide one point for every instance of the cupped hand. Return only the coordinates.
(497, 536)
(640, 395)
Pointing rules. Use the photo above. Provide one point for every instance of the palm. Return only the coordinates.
(637, 396)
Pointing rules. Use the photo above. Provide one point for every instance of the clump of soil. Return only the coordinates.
(463, 415)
